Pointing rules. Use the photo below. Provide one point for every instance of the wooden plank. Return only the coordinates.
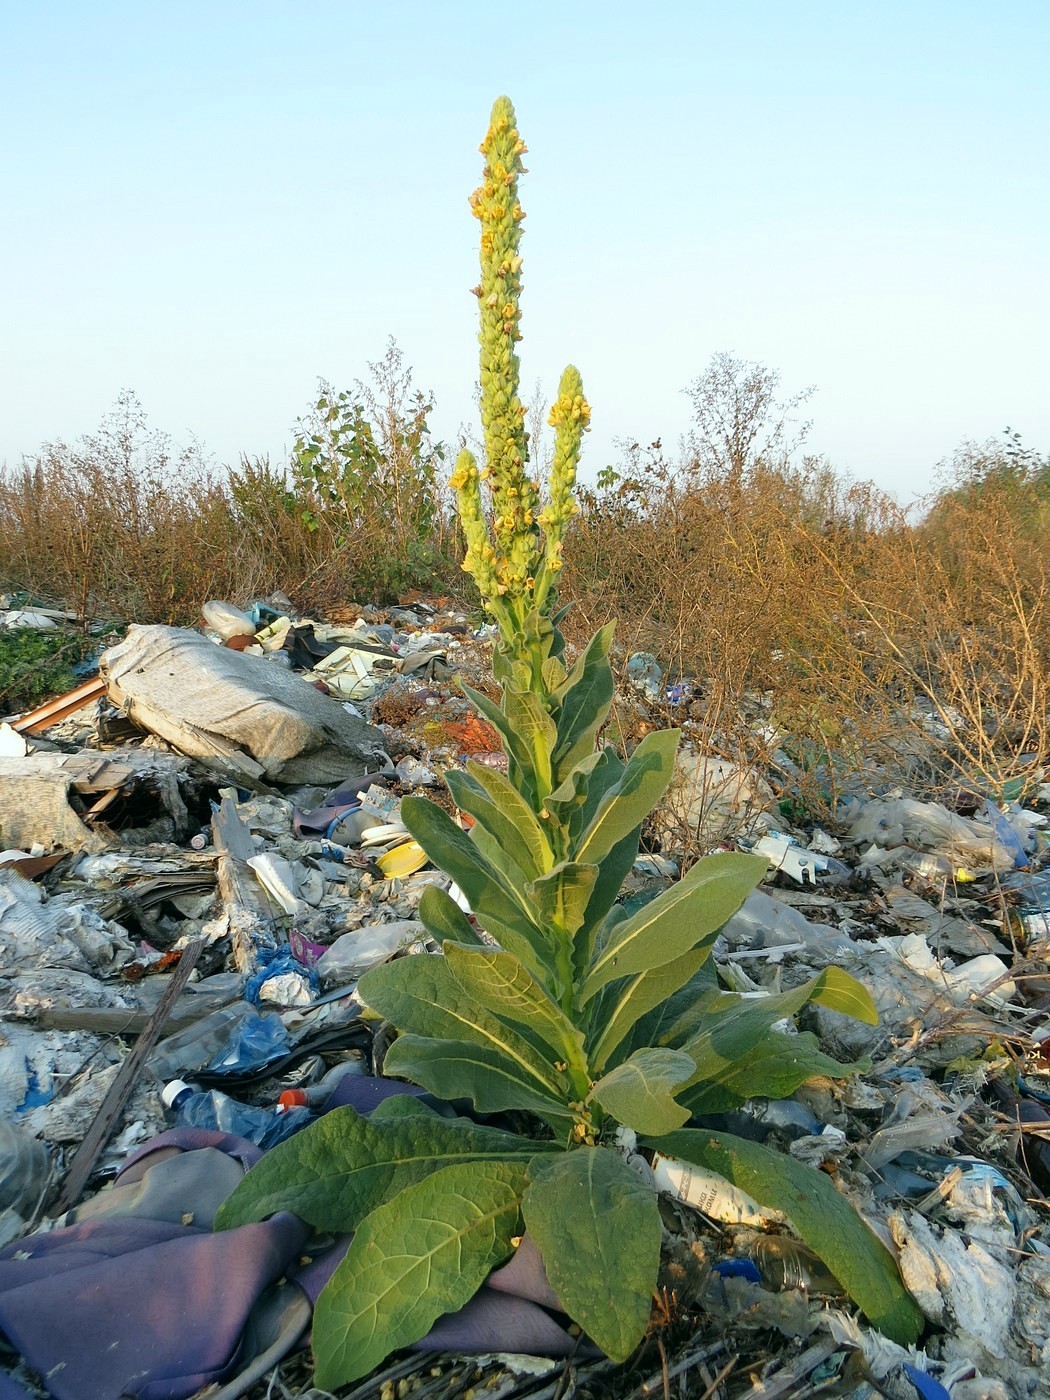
(53, 711)
(87, 1154)
(248, 911)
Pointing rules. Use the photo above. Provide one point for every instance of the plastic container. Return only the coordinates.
(203, 1042)
(227, 620)
(785, 1263)
(24, 1167)
(265, 1127)
(316, 1095)
(708, 1192)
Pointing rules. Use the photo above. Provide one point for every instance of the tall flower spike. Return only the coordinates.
(570, 418)
(514, 495)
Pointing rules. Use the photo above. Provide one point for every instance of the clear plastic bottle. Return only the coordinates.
(785, 1263)
(193, 1108)
(233, 1039)
(23, 1169)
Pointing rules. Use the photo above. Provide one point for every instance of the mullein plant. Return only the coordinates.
(589, 1022)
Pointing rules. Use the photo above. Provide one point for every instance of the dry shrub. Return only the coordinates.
(125, 526)
(829, 639)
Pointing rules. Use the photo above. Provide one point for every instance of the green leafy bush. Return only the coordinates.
(37, 665)
(585, 1018)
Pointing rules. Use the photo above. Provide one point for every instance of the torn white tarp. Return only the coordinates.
(241, 714)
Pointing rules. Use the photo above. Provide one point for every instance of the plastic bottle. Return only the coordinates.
(199, 1043)
(194, 1109)
(23, 1169)
(785, 1263)
(315, 1095)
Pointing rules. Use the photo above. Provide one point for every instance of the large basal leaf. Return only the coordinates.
(771, 1069)
(458, 1069)
(443, 919)
(421, 1255)
(733, 1026)
(499, 978)
(597, 1225)
(636, 997)
(561, 897)
(336, 1170)
(821, 1216)
(690, 911)
(500, 911)
(625, 806)
(421, 995)
(640, 1092)
(583, 699)
(497, 805)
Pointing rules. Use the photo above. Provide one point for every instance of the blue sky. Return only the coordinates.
(215, 204)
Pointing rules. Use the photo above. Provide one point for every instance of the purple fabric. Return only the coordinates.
(11, 1390)
(364, 1092)
(495, 1322)
(155, 1308)
(523, 1276)
(189, 1140)
(137, 1307)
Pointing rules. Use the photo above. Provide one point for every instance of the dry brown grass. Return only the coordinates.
(817, 622)
(830, 640)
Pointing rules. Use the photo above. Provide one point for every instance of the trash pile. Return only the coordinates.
(204, 853)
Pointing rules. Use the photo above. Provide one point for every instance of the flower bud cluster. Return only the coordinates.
(513, 567)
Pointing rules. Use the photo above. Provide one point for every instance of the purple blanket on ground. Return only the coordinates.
(135, 1296)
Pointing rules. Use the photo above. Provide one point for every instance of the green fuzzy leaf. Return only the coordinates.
(333, 1172)
(613, 869)
(515, 745)
(421, 995)
(498, 978)
(732, 1027)
(553, 673)
(497, 805)
(772, 1069)
(603, 770)
(566, 802)
(838, 991)
(444, 920)
(679, 919)
(636, 997)
(597, 1225)
(423, 1254)
(527, 716)
(459, 1069)
(561, 897)
(503, 858)
(679, 1018)
(640, 1092)
(583, 700)
(500, 911)
(626, 805)
(822, 1217)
